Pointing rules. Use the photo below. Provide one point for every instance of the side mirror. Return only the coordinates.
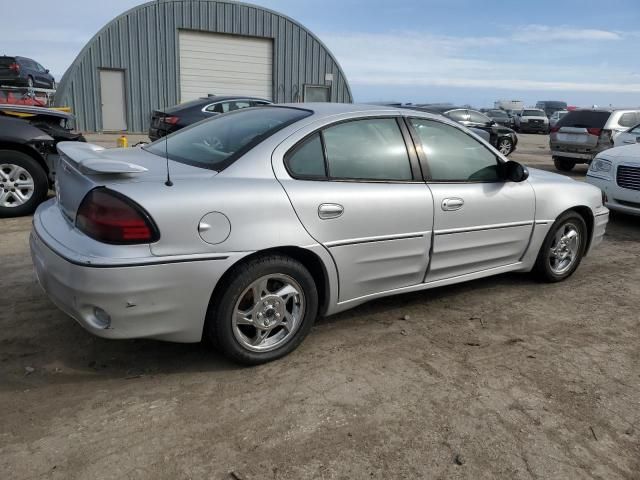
(514, 171)
(47, 70)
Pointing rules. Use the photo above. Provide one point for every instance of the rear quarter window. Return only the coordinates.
(584, 119)
(629, 119)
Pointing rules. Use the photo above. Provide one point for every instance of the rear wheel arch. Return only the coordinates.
(312, 262)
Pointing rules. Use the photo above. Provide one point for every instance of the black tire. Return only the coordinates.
(40, 183)
(503, 142)
(542, 268)
(564, 164)
(219, 325)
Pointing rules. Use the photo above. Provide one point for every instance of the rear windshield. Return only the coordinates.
(497, 114)
(215, 143)
(533, 113)
(584, 119)
(6, 61)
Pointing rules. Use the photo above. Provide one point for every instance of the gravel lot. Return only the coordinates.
(497, 378)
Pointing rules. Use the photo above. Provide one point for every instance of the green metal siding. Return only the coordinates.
(144, 43)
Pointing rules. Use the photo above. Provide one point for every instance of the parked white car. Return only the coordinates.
(630, 137)
(556, 116)
(617, 172)
(532, 120)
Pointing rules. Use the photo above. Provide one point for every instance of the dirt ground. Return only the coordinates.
(497, 378)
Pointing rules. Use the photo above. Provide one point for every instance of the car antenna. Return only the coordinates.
(168, 183)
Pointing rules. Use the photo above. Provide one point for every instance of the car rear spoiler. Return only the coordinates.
(87, 158)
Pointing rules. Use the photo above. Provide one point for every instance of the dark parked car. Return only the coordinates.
(551, 106)
(179, 116)
(500, 117)
(24, 72)
(503, 138)
(28, 155)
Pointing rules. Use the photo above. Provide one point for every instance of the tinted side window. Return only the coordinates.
(628, 119)
(307, 159)
(452, 155)
(371, 149)
(636, 129)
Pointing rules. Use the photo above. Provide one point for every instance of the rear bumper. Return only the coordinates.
(576, 155)
(164, 300)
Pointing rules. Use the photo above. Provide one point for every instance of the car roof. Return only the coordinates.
(337, 108)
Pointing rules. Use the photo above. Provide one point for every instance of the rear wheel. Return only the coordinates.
(505, 146)
(564, 164)
(23, 184)
(265, 311)
(563, 248)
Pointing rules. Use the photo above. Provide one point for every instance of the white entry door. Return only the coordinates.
(219, 64)
(112, 98)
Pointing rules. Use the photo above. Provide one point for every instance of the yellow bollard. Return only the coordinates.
(123, 142)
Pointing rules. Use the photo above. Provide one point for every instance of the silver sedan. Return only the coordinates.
(246, 227)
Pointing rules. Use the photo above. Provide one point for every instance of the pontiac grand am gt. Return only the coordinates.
(246, 227)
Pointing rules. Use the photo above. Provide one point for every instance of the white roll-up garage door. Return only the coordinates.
(213, 63)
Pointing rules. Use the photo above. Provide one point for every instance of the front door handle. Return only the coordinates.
(327, 211)
(451, 204)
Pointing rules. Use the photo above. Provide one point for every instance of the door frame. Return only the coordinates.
(125, 99)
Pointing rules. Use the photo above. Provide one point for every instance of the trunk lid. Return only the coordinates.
(83, 166)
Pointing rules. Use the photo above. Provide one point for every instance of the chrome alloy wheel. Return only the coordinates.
(268, 312)
(16, 185)
(565, 248)
(504, 146)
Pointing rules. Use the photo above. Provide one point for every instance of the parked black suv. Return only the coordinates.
(164, 122)
(503, 138)
(24, 72)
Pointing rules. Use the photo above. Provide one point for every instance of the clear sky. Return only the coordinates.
(463, 51)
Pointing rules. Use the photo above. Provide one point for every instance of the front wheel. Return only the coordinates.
(265, 311)
(23, 184)
(564, 164)
(562, 249)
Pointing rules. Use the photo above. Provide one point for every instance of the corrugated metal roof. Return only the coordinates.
(144, 43)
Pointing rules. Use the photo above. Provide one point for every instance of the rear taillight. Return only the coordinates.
(110, 217)
(14, 67)
(170, 120)
(554, 129)
(594, 131)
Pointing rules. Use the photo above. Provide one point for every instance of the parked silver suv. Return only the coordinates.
(581, 134)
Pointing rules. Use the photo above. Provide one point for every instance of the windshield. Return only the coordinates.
(215, 143)
(497, 114)
(533, 113)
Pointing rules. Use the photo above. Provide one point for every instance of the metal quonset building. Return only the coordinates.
(169, 51)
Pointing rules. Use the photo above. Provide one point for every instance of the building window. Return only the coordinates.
(317, 93)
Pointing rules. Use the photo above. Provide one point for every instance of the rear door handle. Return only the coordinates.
(327, 211)
(451, 204)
